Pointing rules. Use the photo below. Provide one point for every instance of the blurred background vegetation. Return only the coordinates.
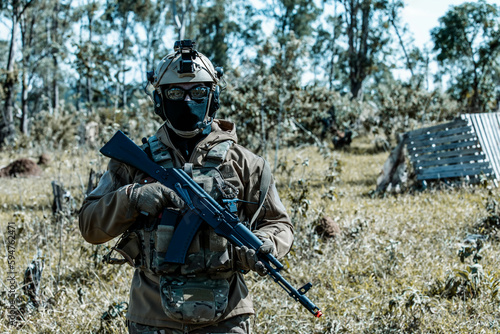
(292, 66)
(298, 73)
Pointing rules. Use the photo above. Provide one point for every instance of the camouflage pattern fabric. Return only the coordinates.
(237, 325)
(194, 300)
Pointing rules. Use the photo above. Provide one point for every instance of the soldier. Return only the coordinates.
(206, 294)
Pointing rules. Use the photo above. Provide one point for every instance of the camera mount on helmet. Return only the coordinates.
(188, 54)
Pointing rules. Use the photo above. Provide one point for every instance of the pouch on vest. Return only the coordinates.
(197, 300)
(208, 252)
(161, 237)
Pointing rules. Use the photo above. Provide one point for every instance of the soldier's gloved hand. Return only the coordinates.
(152, 198)
(248, 260)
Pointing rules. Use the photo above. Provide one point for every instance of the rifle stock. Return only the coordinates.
(200, 204)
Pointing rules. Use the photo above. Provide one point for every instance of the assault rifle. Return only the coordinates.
(201, 207)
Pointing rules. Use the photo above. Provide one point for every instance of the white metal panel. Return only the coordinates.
(487, 128)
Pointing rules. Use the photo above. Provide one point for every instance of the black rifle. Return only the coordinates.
(201, 207)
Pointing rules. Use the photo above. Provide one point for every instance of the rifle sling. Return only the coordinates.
(265, 183)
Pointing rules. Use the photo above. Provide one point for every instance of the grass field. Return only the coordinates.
(393, 268)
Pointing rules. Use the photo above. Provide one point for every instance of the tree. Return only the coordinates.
(394, 20)
(120, 15)
(16, 9)
(153, 22)
(294, 20)
(86, 52)
(59, 25)
(327, 50)
(34, 49)
(95, 59)
(367, 32)
(467, 43)
(213, 27)
(180, 11)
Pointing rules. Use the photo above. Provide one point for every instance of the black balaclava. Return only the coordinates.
(187, 115)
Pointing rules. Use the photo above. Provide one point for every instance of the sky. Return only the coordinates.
(422, 15)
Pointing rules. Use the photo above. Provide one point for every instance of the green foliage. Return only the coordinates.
(404, 108)
(152, 19)
(490, 224)
(55, 131)
(214, 28)
(468, 46)
(367, 32)
(293, 16)
(347, 49)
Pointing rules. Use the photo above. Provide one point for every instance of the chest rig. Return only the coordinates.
(208, 254)
(196, 291)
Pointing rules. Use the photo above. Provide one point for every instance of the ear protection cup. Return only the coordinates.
(215, 103)
(158, 105)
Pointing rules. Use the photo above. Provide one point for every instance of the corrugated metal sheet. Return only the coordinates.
(468, 146)
(487, 128)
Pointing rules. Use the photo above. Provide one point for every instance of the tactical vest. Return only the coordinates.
(197, 291)
(208, 254)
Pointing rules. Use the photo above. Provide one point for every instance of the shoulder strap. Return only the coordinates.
(217, 154)
(160, 153)
(265, 183)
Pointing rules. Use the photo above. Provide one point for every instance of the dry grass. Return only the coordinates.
(386, 273)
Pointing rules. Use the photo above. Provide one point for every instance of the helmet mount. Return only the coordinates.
(188, 53)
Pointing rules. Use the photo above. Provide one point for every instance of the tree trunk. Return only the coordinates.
(78, 89)
(24, 127)
(475, 103)
(122, 65)
(358, 44)
(7, 126)
(117, 94)
(55, 61)
(356, 89)
(401, 42)
(180, 18)
(334, 53)
(90, 96)
(263, 123)
(351, 19)
(55, 87)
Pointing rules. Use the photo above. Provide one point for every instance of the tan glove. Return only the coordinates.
(248, 260)
(152, 198)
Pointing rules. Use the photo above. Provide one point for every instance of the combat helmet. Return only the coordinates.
(185, 65)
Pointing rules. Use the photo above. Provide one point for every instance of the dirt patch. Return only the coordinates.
(21, 168)
(328, 228)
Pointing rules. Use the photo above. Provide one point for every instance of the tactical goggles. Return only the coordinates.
(179, 94)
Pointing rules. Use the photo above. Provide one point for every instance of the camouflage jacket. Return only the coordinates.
(106, 213)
